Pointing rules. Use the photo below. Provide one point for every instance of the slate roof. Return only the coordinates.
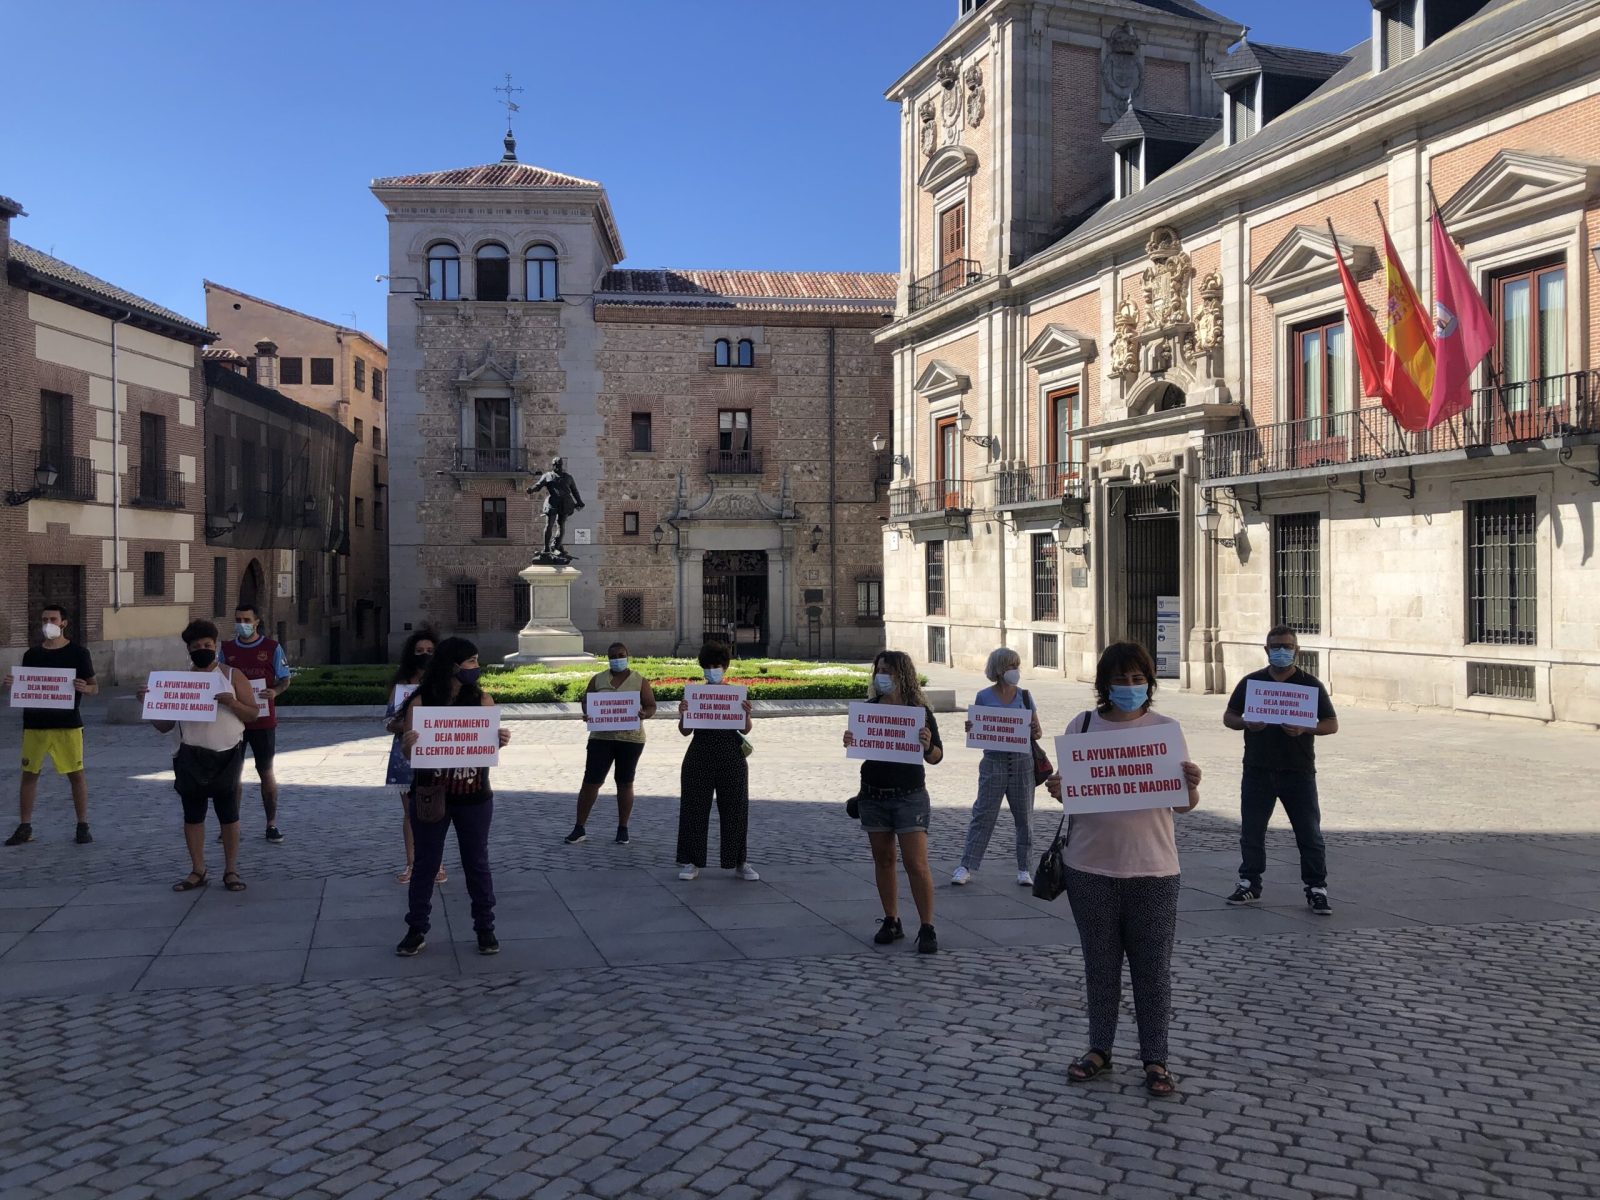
(1185, 8)
(1139, 123)
(489, 175)
(38, 271)
(1249, 57)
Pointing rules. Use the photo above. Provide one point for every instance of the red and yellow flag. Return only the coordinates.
(1408, 371)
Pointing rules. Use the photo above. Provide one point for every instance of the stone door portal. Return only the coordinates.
(734, 594)
(1150, 525)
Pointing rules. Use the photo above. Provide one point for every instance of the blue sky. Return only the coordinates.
(235, 141)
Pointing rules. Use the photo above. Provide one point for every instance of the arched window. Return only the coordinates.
(493, 266)
(444, 272)
(540, 263)
(747, 352)
(724, 353)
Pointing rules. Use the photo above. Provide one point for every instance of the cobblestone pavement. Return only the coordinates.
(1435, 1038)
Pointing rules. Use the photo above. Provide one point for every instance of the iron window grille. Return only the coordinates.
(155, 573)
(1297, 571)
(467, 605)
(630, 611)
(938, 644)
(1502, 572)
(521, 603)
(361, 374)
(291, 371)
(869, 599)
(935, 578)
(1046, 578)
(1502, 681)
(322, 372)
(1047, 651)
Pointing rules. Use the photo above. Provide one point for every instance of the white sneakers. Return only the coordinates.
(962, 877)
(1024, 879)
(748, 873)
(689, 871)
(745, 872)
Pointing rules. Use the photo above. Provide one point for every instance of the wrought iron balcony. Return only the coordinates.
(479, 460)
(155, 489)
(940, 496)
(1041, 484)
(74, 476)
(952, 277)
(733, 462)
(1556, 406)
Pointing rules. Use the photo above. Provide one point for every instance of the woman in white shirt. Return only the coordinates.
(1122, 882)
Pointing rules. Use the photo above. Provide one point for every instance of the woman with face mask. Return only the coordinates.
(714, 767)
(414, 656)
(621, 748)
(451, 680)
(1122, 882)
(1003, 774)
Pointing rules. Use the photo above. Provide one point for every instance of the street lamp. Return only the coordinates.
(816, 537)
(964, 422)
(230, 522)
(44, 478)
(881, 443)
(1210, 519)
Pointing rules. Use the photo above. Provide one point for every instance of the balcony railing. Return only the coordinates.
(74, 476)
(942, 495)
(1032, 485)
(480, 461)
(155, 489)
(952, 277)
(1552, 407)
(733, 462)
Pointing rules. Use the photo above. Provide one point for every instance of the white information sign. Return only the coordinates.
(402, 692)
(999, 729)
(1123, 770)
(43, 687)
(714, 706)
(886, 732)
(617, 712)
(456, 737)
(183, 695)
(1168, 652)
(1274, 703)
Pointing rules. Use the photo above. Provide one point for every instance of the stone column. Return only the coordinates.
(691, 600)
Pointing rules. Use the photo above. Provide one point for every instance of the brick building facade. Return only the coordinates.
(719, 426)
(1127, 398)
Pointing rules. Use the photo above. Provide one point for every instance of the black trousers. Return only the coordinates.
(1133, 919)
(1259, 794)
(713, 767)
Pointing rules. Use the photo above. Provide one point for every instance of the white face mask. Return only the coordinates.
(1013, 677)
(51, 631)
(713, 674)
(883, 684)
(619, 665)
(245, 629)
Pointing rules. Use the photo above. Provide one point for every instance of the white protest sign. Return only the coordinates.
(43, 687)
(617, 712)
(402, 692)
(1123, 770)
(886, 732)
(456, 737)
(183, 695)
(714, 706)
(1274, 703)
(999, 729)
(259, 687)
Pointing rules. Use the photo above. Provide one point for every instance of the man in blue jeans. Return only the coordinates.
(1280, 763)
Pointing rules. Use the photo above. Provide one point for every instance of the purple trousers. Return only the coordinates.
(472, 836)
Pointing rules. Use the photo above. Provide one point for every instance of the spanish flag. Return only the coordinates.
(1409, 365)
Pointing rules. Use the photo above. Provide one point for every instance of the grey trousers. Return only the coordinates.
(1133, 919)
(1007, 777)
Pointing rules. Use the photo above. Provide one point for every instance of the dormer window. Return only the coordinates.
(1397, 36)
(1130, 169)
(970, 6)
(1243, 111)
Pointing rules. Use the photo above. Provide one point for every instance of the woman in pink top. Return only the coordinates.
(1122, 882)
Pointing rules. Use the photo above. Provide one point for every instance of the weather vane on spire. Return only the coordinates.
(511, 107)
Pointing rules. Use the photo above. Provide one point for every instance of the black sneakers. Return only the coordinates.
(487, 942)
(577, 835)
(412, 944)
(273, 835)
(889, 930)
(622, 835)
(1317, 899)
(23, 835)
(1245, 893)
(84, 837)
(927, 940)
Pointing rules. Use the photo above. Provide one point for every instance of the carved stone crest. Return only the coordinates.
(1121, 72)
(1208, 321)
(1123, 359)
(973, 78)
(949, 74)
(1166, 282)
(927, 127)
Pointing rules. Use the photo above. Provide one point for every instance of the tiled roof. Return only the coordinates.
(222, 355)
(1139, 123)
(30, 266)
(293, 312)
(489, 175)
(1250, 57)
(744, 287)
(10, 208)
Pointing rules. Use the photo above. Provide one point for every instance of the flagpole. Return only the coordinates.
(1400, 432)
(1488, 363)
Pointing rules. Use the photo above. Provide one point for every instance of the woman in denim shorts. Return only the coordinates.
(894, 806)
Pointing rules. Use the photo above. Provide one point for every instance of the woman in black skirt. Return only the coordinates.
(714, 767)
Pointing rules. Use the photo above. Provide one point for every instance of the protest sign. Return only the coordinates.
(402, 692)
(617, 712)
(259, 688)
(183, 695)
(886, 732)
(999, 729)
(1123, 770)
(714, 706)
(43, 687)
(456, 737)
(1274, 703)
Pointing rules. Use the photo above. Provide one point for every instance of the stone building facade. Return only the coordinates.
(342, 373)
(719, 424)
(1128, 403)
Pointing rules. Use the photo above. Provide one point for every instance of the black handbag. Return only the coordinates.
(1043, 768)
(852, 807)
(1050, 879)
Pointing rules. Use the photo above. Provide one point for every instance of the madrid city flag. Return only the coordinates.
(1408, 373)
(1462, 326)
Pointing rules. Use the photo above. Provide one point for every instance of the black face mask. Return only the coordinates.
(422, 661)
(202, 658)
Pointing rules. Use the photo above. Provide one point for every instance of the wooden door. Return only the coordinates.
(947, 442)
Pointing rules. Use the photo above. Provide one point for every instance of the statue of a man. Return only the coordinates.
(561, 500)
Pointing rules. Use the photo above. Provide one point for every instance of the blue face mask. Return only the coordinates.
(619, 665)
(883, 684)
(469, 674)
(1281, 658)
(1129, 697)
(713, 674)
(245, 630)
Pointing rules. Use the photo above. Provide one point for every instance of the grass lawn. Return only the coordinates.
(767, 679)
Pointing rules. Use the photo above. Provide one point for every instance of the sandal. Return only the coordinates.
(440, 877)
(404, 876)
(232, 882)
(194, 879)
(1091, 1064)
(1159, 1081)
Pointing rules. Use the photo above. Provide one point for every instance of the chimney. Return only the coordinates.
(267, 363)
(8, 208)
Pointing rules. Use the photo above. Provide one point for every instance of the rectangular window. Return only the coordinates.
(494, 517)
(322, 372)
(492, 419)
(1320, 391)
(1047, 651)
(938, 644)
(55, 435)
(869, 599)
(1066, 453)
(377, 385)
(467, 605)
(521, 603)
(630, 611)
(361, 374)
(291, 370)
(217, 475)
(155, 573)
(1502, 571)
(1530, 306)
(935, 578)
(1297, 571)
(1399, 32)
(360, 431)
(1242, 110)
(154, 483)
(1128, 173)
(219, 587)
(630, 524)
(1046, 578)
(361, 513)
(641, 433)
(733, 430)
(952, 245)
(947, 460)
(377, 438)
(377, 514)
(1503, 681)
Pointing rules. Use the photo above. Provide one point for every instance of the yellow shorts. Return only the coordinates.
(64, 747)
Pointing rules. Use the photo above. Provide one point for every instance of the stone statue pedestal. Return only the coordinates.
(549, 638)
